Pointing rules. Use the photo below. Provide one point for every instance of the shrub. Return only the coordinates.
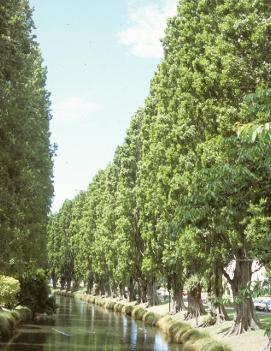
(25, 313)
(138, 313)
(91, 299)
(110, 305)
(213, 346)
(4, 326)
(150, 318)
(11, 320)
(179, 334)
(9, 289)
(35, 291)
(192, 335)
(208, 320)
(163, 323)
(177, 327)
(127, 309)
(118, 307)
(200, 344)
(16, 315)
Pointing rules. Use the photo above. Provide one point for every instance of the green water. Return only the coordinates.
(79, 326)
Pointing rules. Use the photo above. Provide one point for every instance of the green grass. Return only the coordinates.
(110, 305)
(265, 320)
(118, 307)
(10, 319)
(127, 309)
(150, 318)
(138, 313)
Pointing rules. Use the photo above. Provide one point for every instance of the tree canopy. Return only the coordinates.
(25, 150)
(185, 195)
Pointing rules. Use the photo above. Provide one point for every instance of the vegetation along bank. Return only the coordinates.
(176, 331)
(187, 194)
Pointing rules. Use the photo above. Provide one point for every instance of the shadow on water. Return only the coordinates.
(79, 326)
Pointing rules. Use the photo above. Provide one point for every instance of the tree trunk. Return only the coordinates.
(62, 283)
(267, 347)
(131, 290)
(54, 279)
(89, 284)
(68, 286)
(195, 306)
(218, 311)
(75, 285)
(177, 302)
(114, 291)
(107, 289)
(142, 291)
(245, 316)
(96, 289)
(122, 294)
(102, 289)
(152, 297)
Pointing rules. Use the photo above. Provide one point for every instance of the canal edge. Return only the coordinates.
(178, 332)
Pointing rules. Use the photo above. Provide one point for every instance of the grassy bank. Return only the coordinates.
(10, 319)
(177, 332)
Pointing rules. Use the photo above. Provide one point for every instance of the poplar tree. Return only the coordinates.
(25, 150)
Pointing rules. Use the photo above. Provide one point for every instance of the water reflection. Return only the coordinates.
(79, 326)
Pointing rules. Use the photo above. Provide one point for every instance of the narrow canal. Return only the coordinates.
(79, 326)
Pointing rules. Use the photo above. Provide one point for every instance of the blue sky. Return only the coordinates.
(100, 58)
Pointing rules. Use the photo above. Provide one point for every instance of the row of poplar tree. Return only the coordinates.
(184, 196)
(25, 150)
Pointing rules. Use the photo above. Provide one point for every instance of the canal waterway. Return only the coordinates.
(80, 326)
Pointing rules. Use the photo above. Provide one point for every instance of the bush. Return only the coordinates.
(9, 289)
(24, 312)
(35, 292)
(176, 327)
(178, 337)
(5, 331)
(11, 320)
(192, 335)
(150, 318)
(118, 307)
(16, 315)
(110, 305)
(127, 309)
(163, 323)
(213, 346)
(138, 313)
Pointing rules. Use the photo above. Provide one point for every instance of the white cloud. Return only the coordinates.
(74, 109)
(147, 26)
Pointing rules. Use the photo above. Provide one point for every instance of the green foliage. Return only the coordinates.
(9, 289)
(25, 150)
(267, 330)
(35, 292)
(25, 313)
(150, 318)
(118, 307)
(9, 320)
(110, 305)
(127, 309)
(138, 313)
(184, 195)
(213, 346)
(5, 330)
